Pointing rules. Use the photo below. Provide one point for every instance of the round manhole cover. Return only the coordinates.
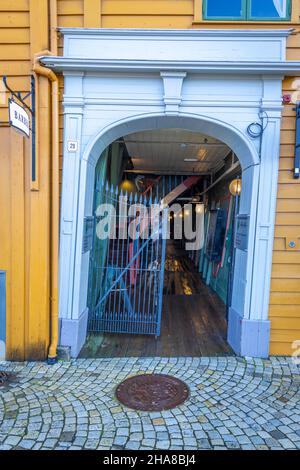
(152, 392)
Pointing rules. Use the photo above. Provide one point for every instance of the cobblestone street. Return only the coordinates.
(233, 404)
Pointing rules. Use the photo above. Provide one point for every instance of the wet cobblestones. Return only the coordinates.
(234, 404)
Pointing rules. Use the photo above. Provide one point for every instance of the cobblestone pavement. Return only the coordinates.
(234, 404)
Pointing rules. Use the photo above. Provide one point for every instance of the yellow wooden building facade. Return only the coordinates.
(29, 212)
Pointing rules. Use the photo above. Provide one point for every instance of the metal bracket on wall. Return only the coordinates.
(31, 110)
(297, 144)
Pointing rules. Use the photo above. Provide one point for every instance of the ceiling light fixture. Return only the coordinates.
(202, 153)
(190, 159)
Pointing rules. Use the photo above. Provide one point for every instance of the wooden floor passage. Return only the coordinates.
(193, 320)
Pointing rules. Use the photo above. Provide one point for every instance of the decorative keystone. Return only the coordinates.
(172, 91)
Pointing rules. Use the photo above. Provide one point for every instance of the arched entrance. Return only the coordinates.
(248, 205)
(101, 106)
(162, 296)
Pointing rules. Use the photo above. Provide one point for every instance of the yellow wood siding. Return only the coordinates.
(24, 30)
(70, 13)
(12, 235)
(14, 46)
(284, 311)
(14, 62)
(147, 14)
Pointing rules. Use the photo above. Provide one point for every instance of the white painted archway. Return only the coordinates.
(244, 294)
(105, 100)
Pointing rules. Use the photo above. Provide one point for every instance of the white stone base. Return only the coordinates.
(73, 333)
(248, 337)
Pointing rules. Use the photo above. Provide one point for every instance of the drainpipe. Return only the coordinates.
(38, 69)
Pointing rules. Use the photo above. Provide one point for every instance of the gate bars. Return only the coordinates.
(126, 276)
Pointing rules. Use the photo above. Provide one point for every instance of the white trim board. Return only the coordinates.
(62, 64)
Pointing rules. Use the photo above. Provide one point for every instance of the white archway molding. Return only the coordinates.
(227, 133)
(105, 100)
(243, 147)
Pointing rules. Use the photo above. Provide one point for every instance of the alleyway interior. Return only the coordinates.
(234, 404)
(193, 319)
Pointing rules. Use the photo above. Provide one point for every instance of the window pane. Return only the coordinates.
(224, 9)
(269, 8)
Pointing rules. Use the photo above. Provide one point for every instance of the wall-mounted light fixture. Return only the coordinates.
(128, 186)
(235, 187)
(200, 208)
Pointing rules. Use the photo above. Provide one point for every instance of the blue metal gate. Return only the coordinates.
(126, 275)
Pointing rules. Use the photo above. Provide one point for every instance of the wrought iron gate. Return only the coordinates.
(126, 276)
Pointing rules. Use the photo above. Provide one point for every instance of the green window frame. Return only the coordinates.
(246, 13)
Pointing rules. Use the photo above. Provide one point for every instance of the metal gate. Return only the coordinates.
(126, 275)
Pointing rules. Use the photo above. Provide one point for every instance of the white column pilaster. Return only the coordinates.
(73, 115)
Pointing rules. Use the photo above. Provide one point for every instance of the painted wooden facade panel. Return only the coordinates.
(24, 232)
(23, 32)
(14, 61)
(14, 46)
(12, 234)
(284, 309)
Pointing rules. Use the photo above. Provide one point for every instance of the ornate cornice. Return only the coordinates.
(66, 64)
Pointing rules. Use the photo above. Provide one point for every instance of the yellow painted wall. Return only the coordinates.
(14, 42)
(25, 220)
(284, 309)
(24, 240)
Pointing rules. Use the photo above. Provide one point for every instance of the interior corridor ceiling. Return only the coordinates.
(175, 150)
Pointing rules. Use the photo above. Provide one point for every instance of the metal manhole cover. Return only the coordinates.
(152, 392)
(4, 377)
